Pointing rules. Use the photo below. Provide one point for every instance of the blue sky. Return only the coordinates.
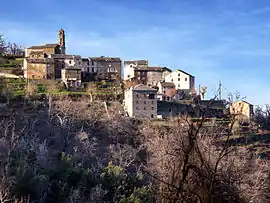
(227, 40)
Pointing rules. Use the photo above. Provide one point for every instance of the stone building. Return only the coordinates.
(71, 77)
(141, 102)
(43, 52)
(242, 108)
(129, 72)
(42, 68)
(166, 91)
(64, 61)
(104, 68)
(182, 81)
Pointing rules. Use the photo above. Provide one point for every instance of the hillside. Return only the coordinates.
(64, 150)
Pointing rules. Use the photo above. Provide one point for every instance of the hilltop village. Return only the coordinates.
(145, 91)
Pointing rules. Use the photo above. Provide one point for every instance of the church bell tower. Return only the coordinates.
(61, 41)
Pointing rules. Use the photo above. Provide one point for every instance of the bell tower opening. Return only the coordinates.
(61, 41)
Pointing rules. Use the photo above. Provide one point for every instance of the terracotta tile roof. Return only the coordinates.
(141, 87)
(47, 60)
(103, 58)
(44, 46)
(167, 84)
(139, 62)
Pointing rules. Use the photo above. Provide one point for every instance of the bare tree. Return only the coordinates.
(194, 163)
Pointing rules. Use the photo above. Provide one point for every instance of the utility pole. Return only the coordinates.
(219, 90)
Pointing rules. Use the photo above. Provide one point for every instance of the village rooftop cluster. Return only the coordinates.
(150, 91)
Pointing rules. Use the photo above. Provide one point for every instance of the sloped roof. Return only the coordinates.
(167, 84)
(185, 72)
(141, 87)
(139, 62)
(44, 46)
(64, 56)
(47, 60)
(152, 68)
(103, 58)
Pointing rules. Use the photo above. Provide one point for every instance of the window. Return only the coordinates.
(137, 102)
(33, 55)
(170, 110)
(152, 116)
(69, 62)
(185, 79)
(79, 63)
(178, 74)
(151, 96)
(164, 97)
(152, 102)
(152, 108)
(144, 102)
(137, 108)
(93, 70)
(137, 96)
(144, 108)
(172, 80)
(178, 79)
(178, 85)
(88, 63)
(168, 98)
(92, 63)
(164, 92)
(63, 66)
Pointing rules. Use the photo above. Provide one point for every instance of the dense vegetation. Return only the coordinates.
(63, 150)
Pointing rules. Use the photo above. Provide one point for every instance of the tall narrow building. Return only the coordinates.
(62, 43)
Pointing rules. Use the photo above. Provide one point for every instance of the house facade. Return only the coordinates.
(103, 67)
(166, 91)
(71, 77)
(129, 66)
(39, 68)
(141, 102)
(242, 108)
(64, 61)
(182, 80)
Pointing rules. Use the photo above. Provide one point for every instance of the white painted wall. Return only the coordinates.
(129, 71)
(181, 80)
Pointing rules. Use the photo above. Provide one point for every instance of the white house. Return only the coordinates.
(182, 80)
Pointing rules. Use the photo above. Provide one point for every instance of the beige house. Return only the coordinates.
(242, 108)
(141, 102)
(71, 77)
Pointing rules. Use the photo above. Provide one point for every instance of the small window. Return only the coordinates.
(152, 116)
(164, 97)
(144, 102)
(152, 108)
(178, 74)
(93, 70)
(79, 63)
(69, 62)
(137, 102)
(172, 80)
(33, 56)
(144, 108)
(178, 79)
(170, 110)
(168, 98)
(137, 95)
(137, 108)
(88, 63)
(185, 79)
(152, 102)
(92, 63)
(178, 85)
(164, 92)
